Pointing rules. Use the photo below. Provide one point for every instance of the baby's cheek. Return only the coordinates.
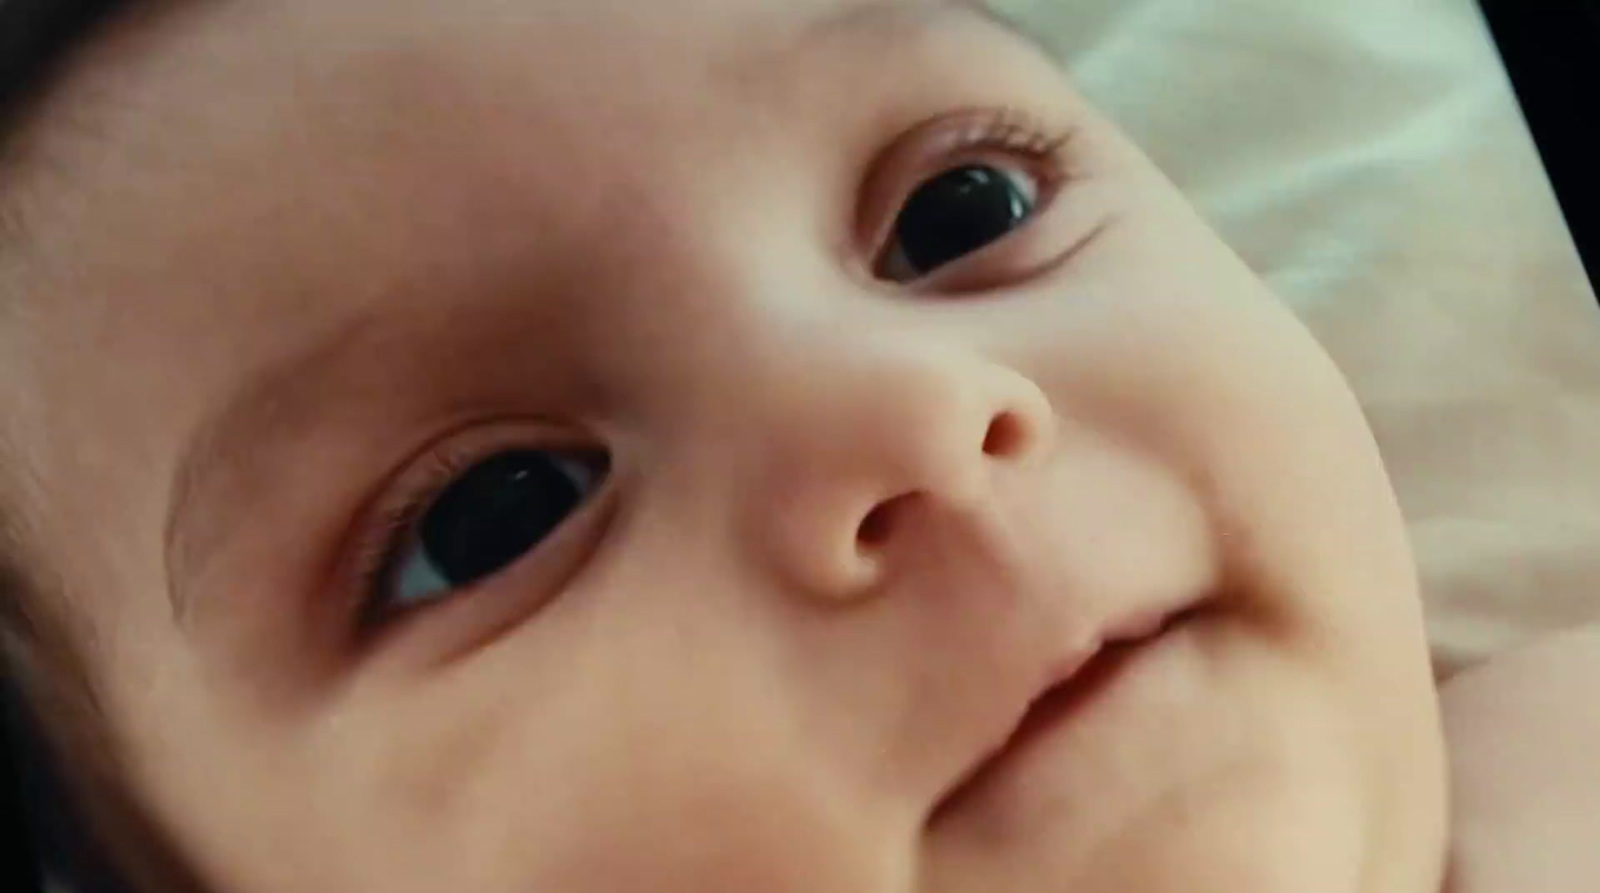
(595, 789)
(735, 833)
(676, 815)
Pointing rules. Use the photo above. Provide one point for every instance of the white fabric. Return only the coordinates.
(1369, 159)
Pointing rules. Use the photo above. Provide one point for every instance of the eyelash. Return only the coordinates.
(1012, 130)
(963, 137)
(394, 522)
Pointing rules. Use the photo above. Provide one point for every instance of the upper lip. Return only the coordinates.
(1116, 635)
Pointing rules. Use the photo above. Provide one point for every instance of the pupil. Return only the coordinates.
(497, 512)
(958, 212)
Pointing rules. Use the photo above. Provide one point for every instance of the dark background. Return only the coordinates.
(1552, 53)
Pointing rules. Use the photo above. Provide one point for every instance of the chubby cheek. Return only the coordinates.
(688, 823)
(612, 778)
(1170, 342)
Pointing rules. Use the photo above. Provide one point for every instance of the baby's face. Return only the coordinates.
(699, 446)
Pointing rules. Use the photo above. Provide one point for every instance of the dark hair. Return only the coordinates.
(35, 36)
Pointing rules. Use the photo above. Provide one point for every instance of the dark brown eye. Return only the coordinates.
(492, 515)
(954, 214)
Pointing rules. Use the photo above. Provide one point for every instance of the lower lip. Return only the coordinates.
(1061, 709)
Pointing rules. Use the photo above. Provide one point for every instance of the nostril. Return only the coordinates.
(1007, 436)
(877, 526)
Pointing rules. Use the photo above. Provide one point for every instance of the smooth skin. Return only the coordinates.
(293, 262)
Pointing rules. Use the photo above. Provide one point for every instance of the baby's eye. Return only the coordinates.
(954, 214)
(485, 520)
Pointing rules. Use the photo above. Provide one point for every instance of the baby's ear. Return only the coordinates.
(1523, 733)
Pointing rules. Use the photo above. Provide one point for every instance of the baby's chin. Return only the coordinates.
(1248, 845)
(1222, 766)
(1262, 842)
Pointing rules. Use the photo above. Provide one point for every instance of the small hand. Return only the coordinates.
(1524, 739)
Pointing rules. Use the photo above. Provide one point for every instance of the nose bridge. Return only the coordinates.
(863, 429)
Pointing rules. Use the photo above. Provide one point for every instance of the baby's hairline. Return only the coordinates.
(42, 43)
(37, 38)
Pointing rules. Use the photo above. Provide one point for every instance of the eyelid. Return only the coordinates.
(1005, 137)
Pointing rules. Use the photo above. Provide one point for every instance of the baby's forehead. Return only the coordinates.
(196, 72)
(187, 88)
(219, 99)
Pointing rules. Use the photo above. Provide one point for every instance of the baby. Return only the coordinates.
(712, 445)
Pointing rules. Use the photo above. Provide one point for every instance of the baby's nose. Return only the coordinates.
(874, 451)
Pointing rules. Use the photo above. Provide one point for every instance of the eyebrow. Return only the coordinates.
(275, 404)
(281, 402)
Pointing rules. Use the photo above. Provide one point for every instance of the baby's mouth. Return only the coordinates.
(1077, 686)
